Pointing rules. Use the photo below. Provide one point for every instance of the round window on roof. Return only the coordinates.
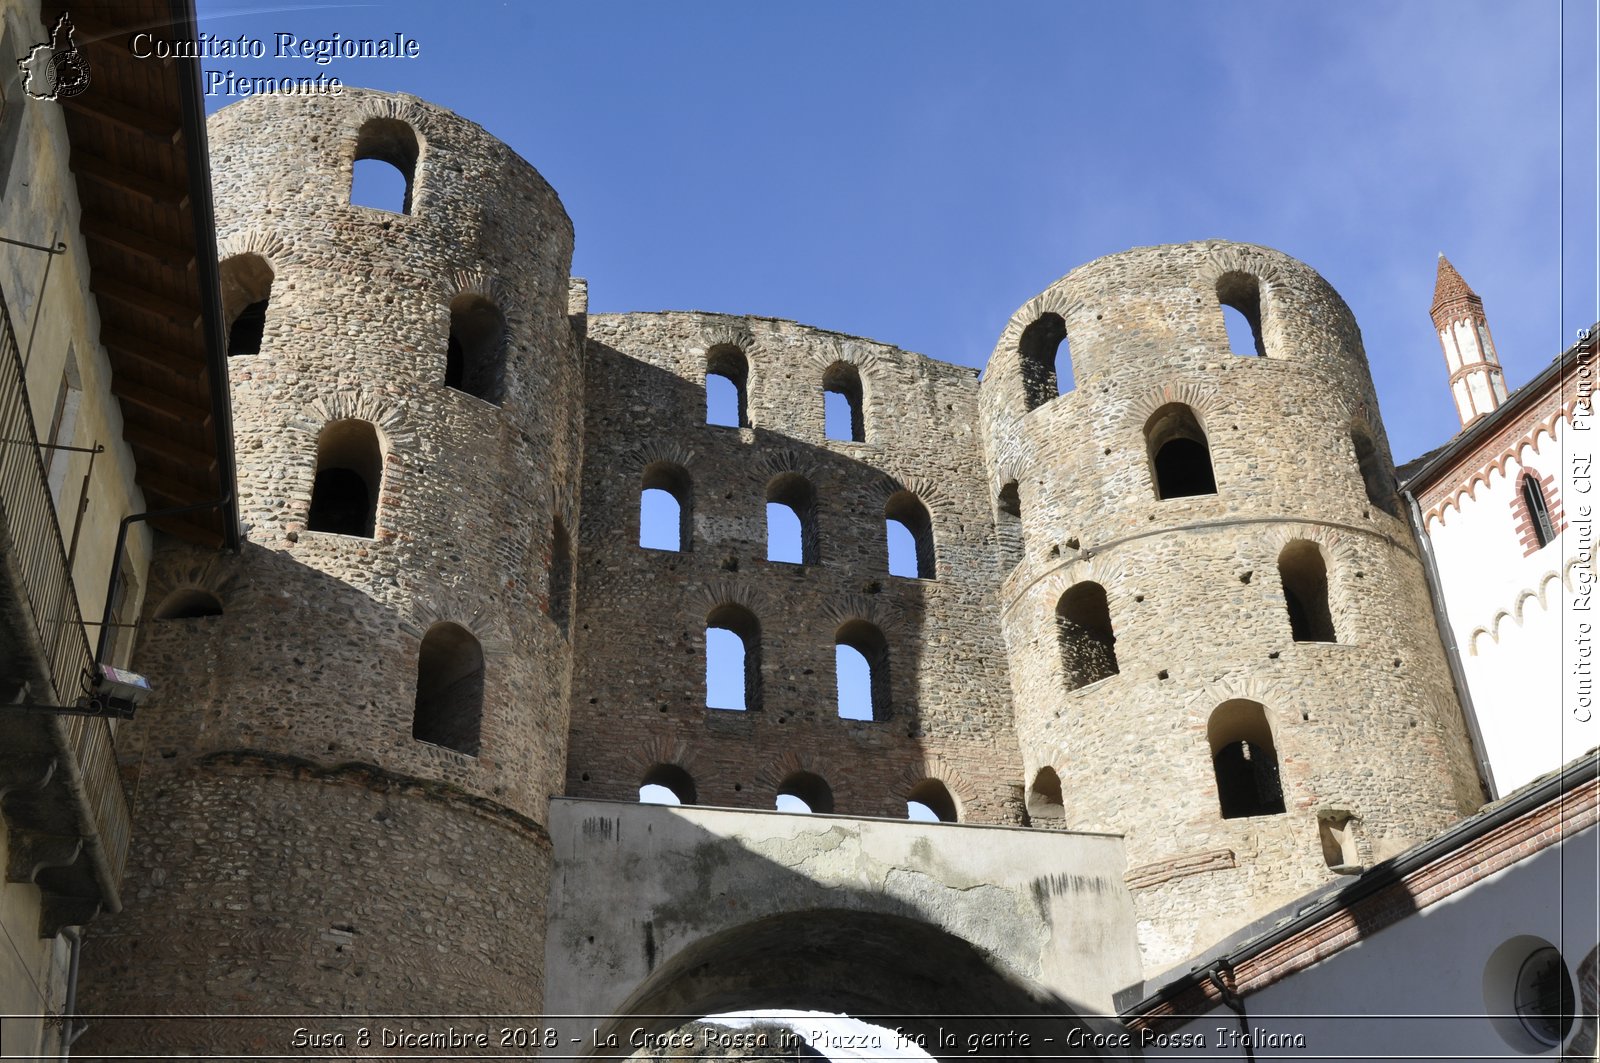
(1544, 1000)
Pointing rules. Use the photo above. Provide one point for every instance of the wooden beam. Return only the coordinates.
(191, 530)
(100, 108)
(171, 448)
(181, 494)
(184, 362)
(159, 402)
(137, 299)
(117, 179)
(137, 244)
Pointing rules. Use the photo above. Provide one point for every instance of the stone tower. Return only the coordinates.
(1218, 628)
(1476, 381)
(342, 789)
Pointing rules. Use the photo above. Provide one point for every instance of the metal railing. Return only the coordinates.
(37, 560)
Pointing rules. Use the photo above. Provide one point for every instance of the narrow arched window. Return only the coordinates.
(1180, 457)
(191, 603)
(1538, 511)
(1245, 762)
(930, 801)
(344, 496)
(666, 501)
(1239, 295)
(792, 520)
(1044, 797)
(666, 784)
(804, 792)
(842, 400)
(1046, 360)
(449, 689)
(910, 533)
(733, 658)
(246, 283)
(1008, 526)
(475, 354)
(1304, 575)
(727, 381)
(383, 175)
(861, 666)
(1375, 479)
(560, 576)
(1083, 626)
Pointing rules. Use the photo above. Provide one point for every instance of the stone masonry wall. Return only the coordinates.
(1367, 726)
(277, 720)
(639, 690)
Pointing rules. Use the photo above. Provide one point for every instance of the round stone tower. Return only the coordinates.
(1218, 627)
(341, 788)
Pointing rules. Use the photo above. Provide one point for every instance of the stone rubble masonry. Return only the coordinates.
(289, 824)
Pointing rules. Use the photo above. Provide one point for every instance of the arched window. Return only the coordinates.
(842, 403)
(1083, 626)
(189, 604)
(1538, 511)
(792, 520)
(805, 792)
(727, 378)
(1180, 457)
(246, 282)
(1046, 360)
(1240, 297)
(733, 658)
(666, 784)
(935, 801)
(666, 507)
(910, 532)
(383, 175)
(344, 497)
(449, 689)
(1305, 592)
(475, 355)
(1044, 797)
(861, 664)
(560, 576)
(1008, 526)
(1378, 483)
(1245, 762)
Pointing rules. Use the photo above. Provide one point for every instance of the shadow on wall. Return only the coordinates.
(711, 640)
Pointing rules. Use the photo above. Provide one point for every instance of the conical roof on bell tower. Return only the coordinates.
(1452, 292)
(1476, 381)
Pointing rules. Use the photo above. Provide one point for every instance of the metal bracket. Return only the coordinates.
(59, 249)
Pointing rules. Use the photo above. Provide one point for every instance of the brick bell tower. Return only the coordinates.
(1476, 381)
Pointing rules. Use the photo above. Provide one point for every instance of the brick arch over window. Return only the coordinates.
(795, 493)
(1245, 760)
(392, 142)
(936, 797)
(731, 365)
(1241, 292)
(349, 479)
(1040, 348)
(1303, 572)
(189, 603)
(449, 708)
(671, 777)
(1083, 629)
(844, 380)
(675, 484)
(1179, 453)
(475, 352)
(868, 640)
(246, 282)
(742, 624)
(1044, 801)
(810, 788)
(1536, 511)
(907, 510)
(1375, 479)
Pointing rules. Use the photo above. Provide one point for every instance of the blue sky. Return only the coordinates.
(915, 171)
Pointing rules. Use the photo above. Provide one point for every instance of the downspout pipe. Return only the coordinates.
(1452, 651)
(72, 1028)
(1234, 1002)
